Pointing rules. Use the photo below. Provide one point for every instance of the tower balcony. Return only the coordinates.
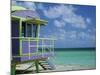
(34, 48)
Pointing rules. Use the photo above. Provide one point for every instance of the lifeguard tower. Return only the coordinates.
(27, 46)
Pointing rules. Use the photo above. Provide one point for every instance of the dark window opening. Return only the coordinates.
(23, 29)
(29, 30)
(34, 28)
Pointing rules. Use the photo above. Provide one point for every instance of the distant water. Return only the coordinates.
(76, 56)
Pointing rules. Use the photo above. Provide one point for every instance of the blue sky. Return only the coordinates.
(72, 25)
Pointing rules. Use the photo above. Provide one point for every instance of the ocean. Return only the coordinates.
(75, 56)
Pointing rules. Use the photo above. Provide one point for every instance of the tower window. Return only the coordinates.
(23, 29)
(29, 30)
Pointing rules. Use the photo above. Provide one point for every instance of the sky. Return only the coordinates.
(73, 26)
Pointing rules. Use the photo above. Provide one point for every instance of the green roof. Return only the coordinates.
(14, 8)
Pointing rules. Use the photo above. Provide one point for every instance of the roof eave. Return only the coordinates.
(31, 20)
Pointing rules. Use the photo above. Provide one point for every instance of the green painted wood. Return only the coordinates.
(31, 21)
(38, 30)
(37, 66)
(13, 69)
(20, 34)
(28, 61)
(16, 8)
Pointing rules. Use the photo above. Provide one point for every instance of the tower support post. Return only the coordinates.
(37, 66)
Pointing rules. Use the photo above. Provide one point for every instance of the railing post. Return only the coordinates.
(26, 29)
(20, 46)
(53, 47)
(42, 46)
(13, 69)
(37, 40)
(37, 66)
(28, 47)
(37, 35)
(20, 35)
(50, 45)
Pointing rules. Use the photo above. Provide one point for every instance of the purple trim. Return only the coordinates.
(32, 42)
(25, 47)
(24, 58)
(33, 49)
(34, 57)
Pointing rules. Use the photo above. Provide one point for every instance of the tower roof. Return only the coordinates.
(27, 15)
(23, 12)
(15, 8)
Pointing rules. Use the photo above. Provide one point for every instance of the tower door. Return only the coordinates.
(29, 30)
(28, 47)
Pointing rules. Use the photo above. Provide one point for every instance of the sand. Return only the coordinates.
(67, 67)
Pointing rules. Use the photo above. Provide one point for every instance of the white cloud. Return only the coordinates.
(62, 34)
(52, 12)
(58, 23)
(29, 5)
(89, 30)
(67, 14)
(75, 21)
(57, 11)
(93, 30)
(73, 35)
(87, 36)
(40, 6)
(82, 35)
(88, 20)
(59, 34)
(63, 15)
(67, 35)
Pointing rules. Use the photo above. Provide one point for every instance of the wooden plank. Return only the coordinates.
(37, 66)
(23, 62)
(13, 69)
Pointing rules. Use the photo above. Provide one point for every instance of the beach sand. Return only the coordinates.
(58, 68)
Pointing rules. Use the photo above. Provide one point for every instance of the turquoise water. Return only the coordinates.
(85, 57)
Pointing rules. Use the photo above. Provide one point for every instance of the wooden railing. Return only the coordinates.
(35, 46)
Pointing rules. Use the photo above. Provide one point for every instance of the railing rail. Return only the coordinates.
(42, 45)
(33, 38)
